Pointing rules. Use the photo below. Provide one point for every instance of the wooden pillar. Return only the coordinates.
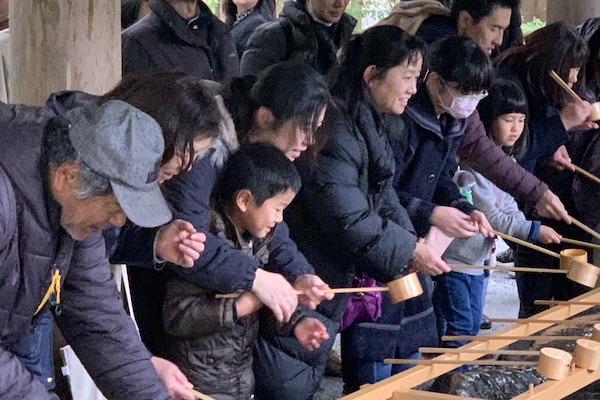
(63, 44)
(572, 11)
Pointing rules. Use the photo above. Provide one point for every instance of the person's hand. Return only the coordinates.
(313, 287)
(175, 381)
(575, 114)
(586, 126)
(427, 262)
(310, 332)
(276, 293)
(560, 159)
(481, 222)
(179, 243)
(453, 222)
(548, 235)
(247, 304)
(550, 206)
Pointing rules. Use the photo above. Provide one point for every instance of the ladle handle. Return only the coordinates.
(514, 269)
(527, 244)
(580, 243)
(562, 83)
(584, 172)
(336, 290)
(585, 228)
(199, 395)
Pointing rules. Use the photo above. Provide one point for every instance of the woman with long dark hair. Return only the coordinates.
(347, 218)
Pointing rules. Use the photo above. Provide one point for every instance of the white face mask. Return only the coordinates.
(462, 106)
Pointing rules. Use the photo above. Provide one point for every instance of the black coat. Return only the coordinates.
(296, 37)
(163, 40)
(346, 219)
(425, 154)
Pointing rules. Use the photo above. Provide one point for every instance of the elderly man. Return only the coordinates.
(90, 168)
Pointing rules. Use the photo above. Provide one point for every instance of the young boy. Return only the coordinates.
(211, 339)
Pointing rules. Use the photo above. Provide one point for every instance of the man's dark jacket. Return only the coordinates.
(296, 37)
(32, 248)
(163, 40)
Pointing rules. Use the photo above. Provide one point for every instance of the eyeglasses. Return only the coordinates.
(466, 97)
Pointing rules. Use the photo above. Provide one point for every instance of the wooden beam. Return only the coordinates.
(422, 395)
(550, 389)
(422, 373)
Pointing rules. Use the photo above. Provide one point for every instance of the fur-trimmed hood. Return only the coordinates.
(226, 142)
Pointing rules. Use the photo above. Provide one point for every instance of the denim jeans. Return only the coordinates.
(458, 298)
(35, 350)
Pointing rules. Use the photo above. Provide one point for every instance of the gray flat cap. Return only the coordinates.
(125, 145)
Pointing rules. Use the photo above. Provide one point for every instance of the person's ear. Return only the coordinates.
(369, 73)
(464, 21)
(264, 117)
(435, 77)
(243, 199)
(64, 178)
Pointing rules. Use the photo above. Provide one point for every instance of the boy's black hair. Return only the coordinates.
(505, 97)
(479, 9)
(459, 59)
(260, 168)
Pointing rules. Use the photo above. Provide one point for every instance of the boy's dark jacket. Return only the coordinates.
(211, 345)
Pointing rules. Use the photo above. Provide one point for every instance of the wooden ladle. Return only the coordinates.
(552, 363)
(401, 289)
(595, 114)
(578, 271)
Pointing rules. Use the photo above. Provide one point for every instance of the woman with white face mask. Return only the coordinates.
(459, 74)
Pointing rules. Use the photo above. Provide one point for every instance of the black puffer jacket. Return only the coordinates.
(92, 318)
(346, 219)
(163, 40)
(296, 37)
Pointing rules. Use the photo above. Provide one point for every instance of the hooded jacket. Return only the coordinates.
(33, 248)
(426, 161)
(207, 340)
(163, 40)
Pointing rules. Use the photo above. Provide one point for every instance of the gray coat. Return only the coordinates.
(504, 215)
(33, 247)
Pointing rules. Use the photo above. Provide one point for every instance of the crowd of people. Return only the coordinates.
(269, 159)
